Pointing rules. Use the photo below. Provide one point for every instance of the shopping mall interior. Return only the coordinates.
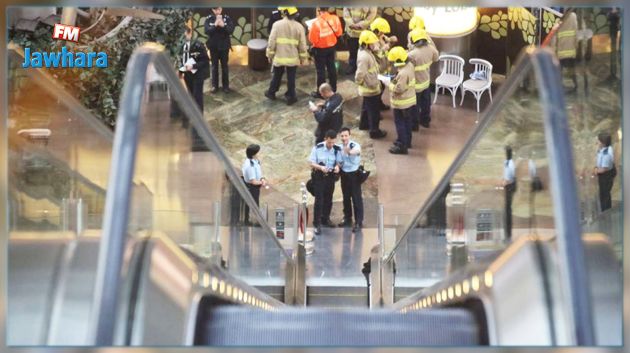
(130, 224)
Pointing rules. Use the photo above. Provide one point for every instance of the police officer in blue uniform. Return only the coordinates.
(252, 175)
(605, 170)
(509, 186)
(350, 181)
(325, 160)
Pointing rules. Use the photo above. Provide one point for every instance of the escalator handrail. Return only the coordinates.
(489, 115)
(117, 204)
(564, 195)
(48, 83)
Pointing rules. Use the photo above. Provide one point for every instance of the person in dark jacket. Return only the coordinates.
(194, 76)
(219, 29)
(328, 114)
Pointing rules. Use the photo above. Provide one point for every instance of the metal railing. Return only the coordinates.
(117, 205)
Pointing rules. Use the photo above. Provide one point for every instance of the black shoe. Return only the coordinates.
(378, 134)
(328, 224)
(291, 100)
(398, 149)
(316, 94)
(357, 227)
(214, 90)
(415, 128)
(270, 95)
(345, 223)
(425, 124)
(226, 90)
(317, 230)
(364, 128)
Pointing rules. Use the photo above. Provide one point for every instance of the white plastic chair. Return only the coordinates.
(452, 75)
(478, 86)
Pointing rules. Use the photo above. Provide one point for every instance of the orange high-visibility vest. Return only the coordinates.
(325, 31)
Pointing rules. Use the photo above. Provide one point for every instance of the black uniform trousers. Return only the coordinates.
(605, 181)
(324, 186)
(352, 197)
(404, 118)
(276, 78)
(195, 88)
(255, 191)
(325, 61)
(424, 107)
(220, 56)
(353, 49)
(509, 189)
(370, 114)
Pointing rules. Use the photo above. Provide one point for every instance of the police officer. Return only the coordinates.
(403, 99)
(328, 114)
(422, 56)
(350, 181)
(325, 159)
(366, 78)
(252, 175)
(193, 49)
(219, 28)
(605, 170)
(509, 187)
(286, 50)
(565, 43)
(357, 19)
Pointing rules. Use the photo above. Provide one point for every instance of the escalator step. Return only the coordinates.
(243, 326)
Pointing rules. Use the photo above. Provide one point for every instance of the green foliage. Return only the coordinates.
(99, 89)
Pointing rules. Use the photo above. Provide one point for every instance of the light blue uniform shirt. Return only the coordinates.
(251, 170)
(508, 171)
(321, 154)
(605, 157)
(350, 163)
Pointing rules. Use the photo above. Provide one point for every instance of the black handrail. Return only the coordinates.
(121, 174)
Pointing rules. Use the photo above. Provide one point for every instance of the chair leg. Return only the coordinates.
(436, 93)
(490, 92)
(478, 98)
(462, 101)
(454, 93)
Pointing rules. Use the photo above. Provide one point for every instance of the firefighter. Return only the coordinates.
(381, 28)
(403, 98)
(417, 22)
(366, 77)
(422, 56)
(286, 50)
(565, 43)
(357, 19)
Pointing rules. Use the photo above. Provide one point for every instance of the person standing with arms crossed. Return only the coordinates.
(366, 78)
(605, 170)
(323, 36)
(357, 19)
(422, 56)
(324, 160)
(219, 29)
(350, 181)
(252, 175)
(286, 50)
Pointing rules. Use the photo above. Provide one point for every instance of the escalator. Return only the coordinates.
(175, 267)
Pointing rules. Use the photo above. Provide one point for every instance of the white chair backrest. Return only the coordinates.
(452, 65)
(483, 66)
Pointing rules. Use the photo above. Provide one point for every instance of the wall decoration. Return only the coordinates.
(400, 14)
(495, 24)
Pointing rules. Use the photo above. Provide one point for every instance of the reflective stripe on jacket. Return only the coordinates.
(362, 16)
(287, 43)
(565, 40)
(422, 58)
(366, 76)
(325, 31)
(402, 88)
